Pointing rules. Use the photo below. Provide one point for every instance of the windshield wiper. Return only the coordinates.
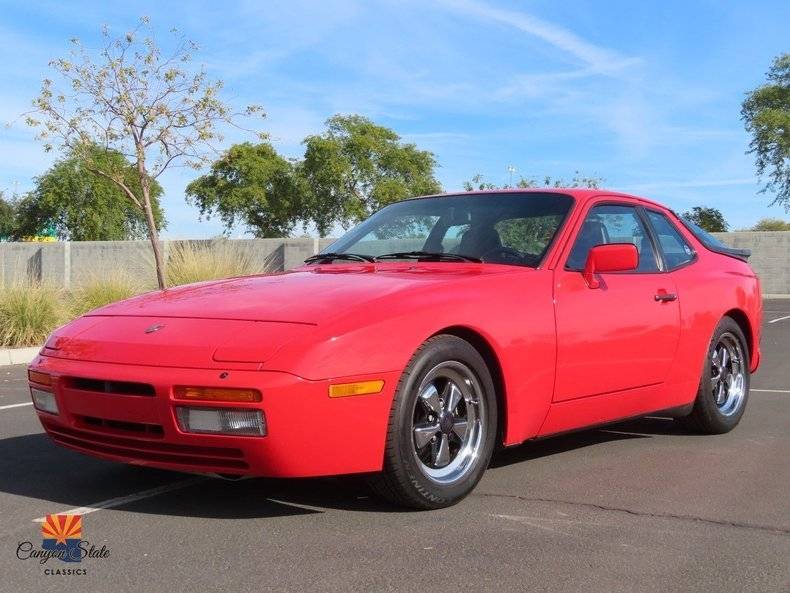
(329, 257)
(429, 255)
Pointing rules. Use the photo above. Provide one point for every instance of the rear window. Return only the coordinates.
(712, 242)
(703, 236)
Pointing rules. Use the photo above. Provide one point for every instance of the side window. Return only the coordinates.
(677, 251)
(528, 235)
(610, 223)
(406, 233)
(452, 237)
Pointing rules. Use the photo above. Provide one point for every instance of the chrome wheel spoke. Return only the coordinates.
(423, 433)
(442, 452)
(715, 369)
(737, 385)
(454, 397)
(720, 392)
(430, 399)
(459, 428)
(715, 365)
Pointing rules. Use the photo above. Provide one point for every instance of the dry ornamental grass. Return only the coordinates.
(30, 311)
(197, 262)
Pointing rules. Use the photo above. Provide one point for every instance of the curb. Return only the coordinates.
(18, 355)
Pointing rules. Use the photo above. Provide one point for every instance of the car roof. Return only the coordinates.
(581, 195)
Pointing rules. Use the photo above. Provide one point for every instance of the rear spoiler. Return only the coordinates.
(742, 254)
(712, 243)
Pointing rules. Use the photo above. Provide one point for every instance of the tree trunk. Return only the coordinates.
(153, 233)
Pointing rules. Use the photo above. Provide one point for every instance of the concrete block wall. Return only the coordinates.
(68, 264)
(89, 260)
(770, 256)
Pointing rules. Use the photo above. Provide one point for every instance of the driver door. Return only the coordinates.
(622, 335)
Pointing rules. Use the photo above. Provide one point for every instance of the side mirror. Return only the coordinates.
(614, 257)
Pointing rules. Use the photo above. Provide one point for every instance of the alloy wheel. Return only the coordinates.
(448, 422)
(727, 374)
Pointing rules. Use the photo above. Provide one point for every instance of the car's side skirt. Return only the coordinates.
(585, 412)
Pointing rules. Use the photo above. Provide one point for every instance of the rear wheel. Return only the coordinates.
(442, 426)
(724, 386)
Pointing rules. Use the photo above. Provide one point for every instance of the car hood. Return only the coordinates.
(310, 295)
(239, 322)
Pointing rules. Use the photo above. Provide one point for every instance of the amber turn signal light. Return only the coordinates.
(40, 378)
(359, 388)
(217, 394)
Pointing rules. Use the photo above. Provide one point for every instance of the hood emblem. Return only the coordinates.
(154, 328)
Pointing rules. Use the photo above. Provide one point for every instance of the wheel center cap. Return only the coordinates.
(446, 422)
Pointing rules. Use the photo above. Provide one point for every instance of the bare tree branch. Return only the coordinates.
(132, 99)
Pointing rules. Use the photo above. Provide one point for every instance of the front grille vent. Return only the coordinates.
(114, 387)
(154, 430)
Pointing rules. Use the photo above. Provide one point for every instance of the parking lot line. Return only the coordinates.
(122, 500)
(772, 390)
(8, 407)
(779, 319)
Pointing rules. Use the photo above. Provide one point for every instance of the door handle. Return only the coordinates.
(665, 297)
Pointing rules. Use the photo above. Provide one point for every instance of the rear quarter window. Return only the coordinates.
(677, 252)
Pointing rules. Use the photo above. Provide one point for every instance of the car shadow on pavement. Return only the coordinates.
(640, 428)
(33, 467)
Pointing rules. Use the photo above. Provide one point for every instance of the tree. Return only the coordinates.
(771, 224)
(531, 235)
(350, 170)
(766, 115)
(81, 206)
(478, 182)
(7, 216)
(356, 167)
(252, 184)
(133, 99)
(709, 219)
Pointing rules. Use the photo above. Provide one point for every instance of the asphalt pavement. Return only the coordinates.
(638, 506)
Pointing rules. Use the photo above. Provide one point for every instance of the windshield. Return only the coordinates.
(507, 228)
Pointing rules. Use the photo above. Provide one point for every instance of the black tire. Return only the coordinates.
(708, 416)
(404, 480)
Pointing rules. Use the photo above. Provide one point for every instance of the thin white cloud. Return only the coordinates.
(690, 183)
(602, 60)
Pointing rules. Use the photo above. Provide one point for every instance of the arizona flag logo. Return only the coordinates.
(63, 532)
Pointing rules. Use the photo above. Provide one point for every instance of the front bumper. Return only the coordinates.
(308, 434)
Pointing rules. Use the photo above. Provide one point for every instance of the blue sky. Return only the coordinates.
(644, 94)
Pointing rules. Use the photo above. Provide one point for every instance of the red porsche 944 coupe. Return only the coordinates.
(436, 330)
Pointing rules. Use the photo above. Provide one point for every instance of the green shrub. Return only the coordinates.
(191, 262)
(771, 224)
(29, 313)
(99, 291)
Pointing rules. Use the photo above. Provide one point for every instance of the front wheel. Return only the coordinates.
(724, 386)
(442, 426)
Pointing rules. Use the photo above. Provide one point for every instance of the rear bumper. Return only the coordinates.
(308, 434)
